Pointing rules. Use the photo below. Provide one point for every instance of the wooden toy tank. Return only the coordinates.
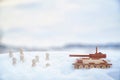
(96, 60)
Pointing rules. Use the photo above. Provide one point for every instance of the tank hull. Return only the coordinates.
(88, 63)
(88, 66)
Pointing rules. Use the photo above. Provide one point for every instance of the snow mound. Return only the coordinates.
(60, 68)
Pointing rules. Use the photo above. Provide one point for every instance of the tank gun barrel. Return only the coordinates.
(74, 55)
(93, 56)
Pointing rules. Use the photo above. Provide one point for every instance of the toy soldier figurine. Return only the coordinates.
(21, 55)
(47, 56)
(14, 60)
(10, 54)
(37, 58)
(21, 51)
(47, 64)
(22, 58)
(33, 63)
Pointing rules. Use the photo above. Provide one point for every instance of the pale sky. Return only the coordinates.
(44, 23)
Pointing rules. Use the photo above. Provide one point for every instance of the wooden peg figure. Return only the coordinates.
(47, 64)
(10, 54)
(22, 58)
(21, 55)
(37, 58)
(47, 56)
(33, 63)
(21, 52)
(14, 60)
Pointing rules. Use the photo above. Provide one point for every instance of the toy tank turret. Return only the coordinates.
(96, 60)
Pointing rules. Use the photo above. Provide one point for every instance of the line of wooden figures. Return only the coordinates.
(34, 61)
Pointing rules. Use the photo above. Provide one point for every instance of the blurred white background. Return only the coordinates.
(45, 23)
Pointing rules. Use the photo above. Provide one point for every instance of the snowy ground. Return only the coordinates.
(60, 67)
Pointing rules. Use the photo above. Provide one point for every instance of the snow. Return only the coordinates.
(60, 68)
